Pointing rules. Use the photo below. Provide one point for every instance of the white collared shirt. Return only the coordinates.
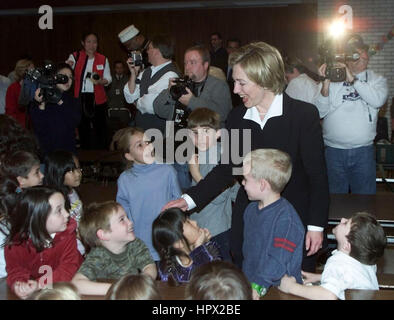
(275, 110)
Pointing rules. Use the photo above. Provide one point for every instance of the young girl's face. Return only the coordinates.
(141, 150)
(191, 231)
(58, 217)
(34, 178)
(65, 86)
(73, 177)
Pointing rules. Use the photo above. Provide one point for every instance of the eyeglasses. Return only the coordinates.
(79, 169)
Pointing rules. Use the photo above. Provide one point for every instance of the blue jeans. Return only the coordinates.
(351, 169)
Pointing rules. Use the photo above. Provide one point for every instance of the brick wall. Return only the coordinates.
(372, 19)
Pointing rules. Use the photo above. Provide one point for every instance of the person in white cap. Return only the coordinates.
(143, 88)
(134, 40)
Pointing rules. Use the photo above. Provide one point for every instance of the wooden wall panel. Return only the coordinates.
(289, 28)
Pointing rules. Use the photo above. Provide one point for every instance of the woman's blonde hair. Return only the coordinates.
(263, 64)
(134, 287)
(21, 67)
(271, 165)
(59, 291)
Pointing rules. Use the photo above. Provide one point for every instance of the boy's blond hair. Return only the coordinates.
(95, 217)
(134, 287)
(272, 165)
(203, 117)
(59, 291)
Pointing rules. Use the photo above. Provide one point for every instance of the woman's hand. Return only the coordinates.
(178, 203)
(39, 98)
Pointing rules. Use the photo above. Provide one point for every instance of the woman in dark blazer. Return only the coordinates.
(275, 121)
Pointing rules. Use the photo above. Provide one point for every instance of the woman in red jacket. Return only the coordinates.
(92, 73)
(12, 106)
(41, 248)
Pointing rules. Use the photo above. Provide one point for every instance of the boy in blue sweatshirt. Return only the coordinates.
(273, 231)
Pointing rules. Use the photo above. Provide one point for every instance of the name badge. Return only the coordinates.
(100, 67)
(117, 91)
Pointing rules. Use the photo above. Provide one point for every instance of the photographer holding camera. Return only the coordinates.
(134, 41)
(55, 113)
(207, 91)
(92, 73)
(143, 87)
(349, 110)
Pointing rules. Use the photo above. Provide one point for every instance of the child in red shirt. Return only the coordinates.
(41, 248)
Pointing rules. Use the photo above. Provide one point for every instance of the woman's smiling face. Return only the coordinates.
(250, 92)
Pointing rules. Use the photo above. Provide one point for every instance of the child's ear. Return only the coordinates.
(21, 181)
(128, 156)
(102, 234)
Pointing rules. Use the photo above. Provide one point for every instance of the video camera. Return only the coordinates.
(47, 79)
(331, 53)
(180, 86)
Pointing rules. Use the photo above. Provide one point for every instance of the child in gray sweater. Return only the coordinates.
(204, 126)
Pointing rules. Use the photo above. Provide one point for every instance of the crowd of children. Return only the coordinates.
(119, 248)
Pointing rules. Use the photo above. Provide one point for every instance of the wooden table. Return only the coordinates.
(166, 291)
